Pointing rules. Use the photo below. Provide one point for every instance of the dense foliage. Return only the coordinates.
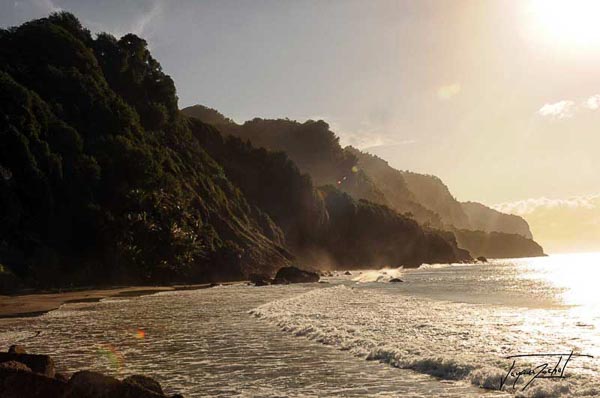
(101, 179)
(323, 227)
(311, 145)
(425, 198)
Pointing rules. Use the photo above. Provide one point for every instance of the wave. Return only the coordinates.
(382, 275)
(430, 337)
(437, 266)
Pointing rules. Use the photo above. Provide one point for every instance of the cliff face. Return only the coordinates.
(324, 227)
(311, 145)
(483, 218)
(431, 203)
(316, 151)
(102, 180)
(392, 184)
(497, 244)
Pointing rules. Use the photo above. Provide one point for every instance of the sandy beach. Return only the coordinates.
(23, 305)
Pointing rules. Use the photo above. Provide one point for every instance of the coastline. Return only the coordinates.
(39, 303)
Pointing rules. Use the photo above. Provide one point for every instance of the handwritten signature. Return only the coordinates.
(542, 371)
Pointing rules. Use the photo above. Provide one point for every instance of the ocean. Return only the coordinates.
(445, 331)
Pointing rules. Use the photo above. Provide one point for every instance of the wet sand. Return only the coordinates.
(35, 304)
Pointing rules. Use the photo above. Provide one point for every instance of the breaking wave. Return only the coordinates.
(451, 341)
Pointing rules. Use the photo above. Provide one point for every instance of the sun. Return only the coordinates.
(572, 23)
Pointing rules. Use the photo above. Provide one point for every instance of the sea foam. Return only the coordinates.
(452, 341)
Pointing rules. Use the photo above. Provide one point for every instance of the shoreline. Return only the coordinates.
(36, 304)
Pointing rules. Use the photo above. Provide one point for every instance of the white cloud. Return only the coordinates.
(559, 110)
(140, 26)
(566, 109)
(527, 206)
(592, 103)
(561, 225)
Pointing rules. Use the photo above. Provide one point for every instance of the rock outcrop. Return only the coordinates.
(294, 275)
(33, 376)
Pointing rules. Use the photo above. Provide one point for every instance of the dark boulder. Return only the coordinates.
(144, 382)
(396, 280)
(18, 382)
(482, 259)
(294, 275)
(17, 349)
(347, 273)
(14, 365)
(259, 280)
(86, 384)
(41, 364)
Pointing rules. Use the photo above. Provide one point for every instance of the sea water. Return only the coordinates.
(445, 331)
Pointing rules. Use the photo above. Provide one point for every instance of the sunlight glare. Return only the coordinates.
(572, 23)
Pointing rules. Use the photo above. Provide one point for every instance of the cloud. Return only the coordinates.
(559, 110)
(561, 225)
(566, 109)
(528, 206)
(592, 103)
(448, 91)
(140, 26)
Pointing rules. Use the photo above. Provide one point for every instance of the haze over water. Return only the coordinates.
(456, 322)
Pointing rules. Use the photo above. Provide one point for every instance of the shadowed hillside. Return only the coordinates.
(497, 244)
(104, 181)
(311, 145)
(324, 227)
(425, 198)
(483, 218)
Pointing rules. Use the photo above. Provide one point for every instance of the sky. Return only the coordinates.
(500, 99)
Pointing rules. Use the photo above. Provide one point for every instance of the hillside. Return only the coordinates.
(311, 145)
(483, 218)
(497, 244)
(103, 181)
(316, 150)
(324, 227)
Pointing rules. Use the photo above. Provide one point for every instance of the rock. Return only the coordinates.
(294, 275)
(15, 366)
(347, 273)
(144, 382)
(19, 383)
(482, 259)
(41, 364)
(396, 280)
(86, 384)
(61, 377)
(17, 349)
(259, 280)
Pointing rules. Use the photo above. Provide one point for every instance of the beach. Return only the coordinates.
(445, 331)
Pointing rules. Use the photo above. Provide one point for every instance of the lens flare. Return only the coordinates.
(111, 355)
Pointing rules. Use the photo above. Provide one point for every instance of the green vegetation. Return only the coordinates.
(102, 181)
(424, 198)
(324, 227)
